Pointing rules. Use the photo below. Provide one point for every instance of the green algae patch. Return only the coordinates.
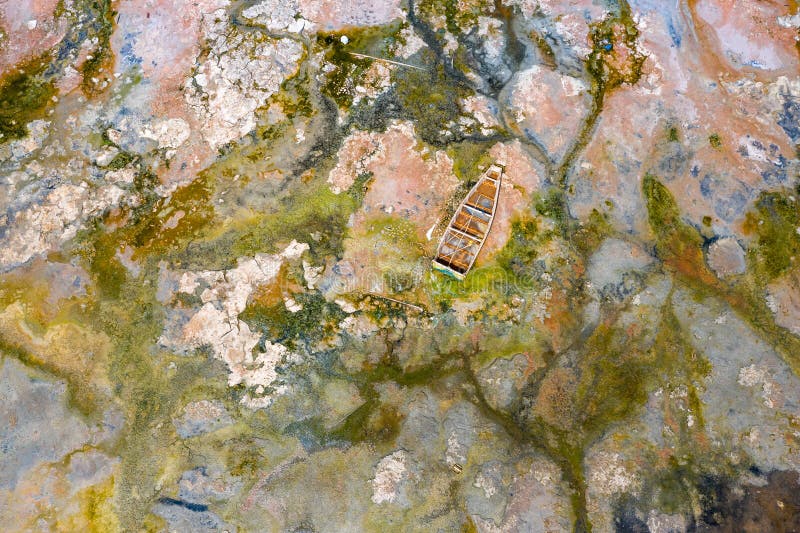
(125, 309)
(678, 244)
(121, 160)
(389, 250)
(469, 157)
(715, 141)
(372, 422)
(97, 513)
(507, 342)
(672, 134)
(96, 71)
(456, 15)
(521, 250)
(489, 281)
(615, 59)
(553, 205)
(350, 69)
(589, 235)
(429, 98)
(26, 94)
(775, 221)
(311, 214)
(310, 324)
(614, 382)
(70, 352)
(174, 221)
(147, 394)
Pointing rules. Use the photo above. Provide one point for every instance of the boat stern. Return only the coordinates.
(447, 270)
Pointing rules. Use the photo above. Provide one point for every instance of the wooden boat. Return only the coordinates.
(464, 237)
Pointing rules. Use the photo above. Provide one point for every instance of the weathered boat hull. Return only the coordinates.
(466, 233)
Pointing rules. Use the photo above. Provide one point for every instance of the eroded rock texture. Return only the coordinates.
(217, 311)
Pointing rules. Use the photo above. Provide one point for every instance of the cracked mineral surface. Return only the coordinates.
(217, 307)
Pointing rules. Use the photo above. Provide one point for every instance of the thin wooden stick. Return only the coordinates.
(365, 56)
(418, 308)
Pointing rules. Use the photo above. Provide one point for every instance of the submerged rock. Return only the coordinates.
(503, 379)
(783, 299)
(617, 268)
(726, 257)
(547, 107)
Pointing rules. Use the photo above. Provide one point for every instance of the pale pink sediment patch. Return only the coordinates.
(168, 40)
(520, 180)
(328, 16)
(783, 299)
(748, 34)
(547, 106)
(30, 29)
(406, 196)
(407, 180)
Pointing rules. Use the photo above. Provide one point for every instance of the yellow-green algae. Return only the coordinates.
(26, 94)
(150, 395)
(429, 98)
(775, 221)
(97, 511)
(96, 71)
(679, 246)
(376, 41)
(55, 339)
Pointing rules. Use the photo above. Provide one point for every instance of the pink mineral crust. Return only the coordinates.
(29, 28)
(520, 180)
(167, 40)
(611, 154)
(783, 299)
(681, 88)
(746, 35)
(408, 182)
(331, 16)
(356, 155)
(547, 107)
